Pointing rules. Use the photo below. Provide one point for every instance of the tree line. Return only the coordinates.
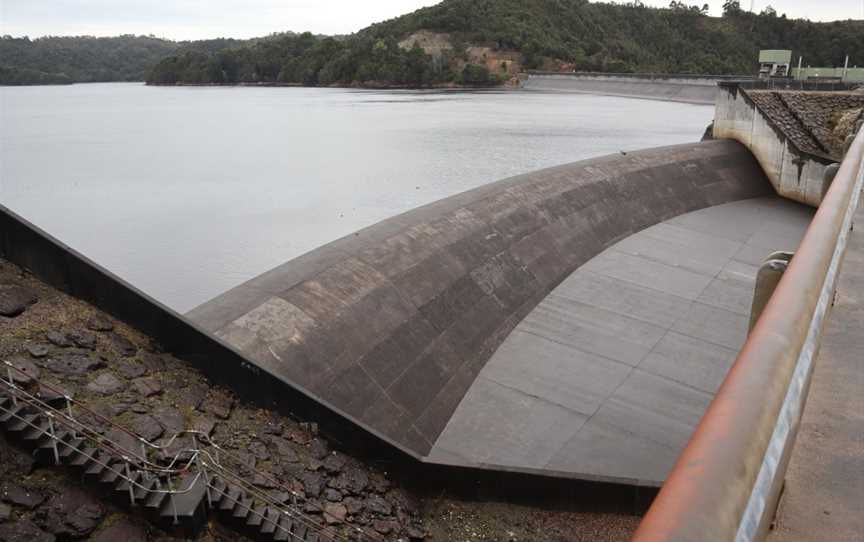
(547, 34)
(81, 59)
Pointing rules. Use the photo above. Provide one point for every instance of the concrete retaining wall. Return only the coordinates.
(794, 174)
(677, 88)
(391, 325)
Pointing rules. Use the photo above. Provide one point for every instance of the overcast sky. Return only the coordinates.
(199, 19)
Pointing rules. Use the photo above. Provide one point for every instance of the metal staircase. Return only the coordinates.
(195, 484)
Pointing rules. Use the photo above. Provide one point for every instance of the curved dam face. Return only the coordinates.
(391, 326)
(688, 89)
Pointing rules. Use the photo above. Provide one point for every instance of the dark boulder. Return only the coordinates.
(123, 346)
(99, 323)
(147, 427)
(14, 300)
(73, 363)
(37, 350)
(106, 384)
(26, 371)
(20, 496)
(58, 338)
(83, 338)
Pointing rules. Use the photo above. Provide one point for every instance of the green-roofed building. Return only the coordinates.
(774, 63)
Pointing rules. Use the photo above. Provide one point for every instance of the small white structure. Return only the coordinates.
(774, 63)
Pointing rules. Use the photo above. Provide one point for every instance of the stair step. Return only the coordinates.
(23, 423)
(123, 484)
(187, 504)
(256, 516)
(285, 529)
(114, 472)
(70, 447)
(81, 458)
(156, 498)
(97, 466)
(231, 499)
(300, 531)
(60, 437)
(46, 446)
(11, 414)
(144, 487)
(242, 510)
(32, 434)
(270, 518)
(217, 490)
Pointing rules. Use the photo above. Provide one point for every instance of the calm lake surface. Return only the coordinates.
(187, 192)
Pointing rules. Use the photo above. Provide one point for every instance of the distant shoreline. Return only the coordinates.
(357, 86)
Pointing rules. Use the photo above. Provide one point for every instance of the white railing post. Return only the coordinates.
(53, 438)
(172, 499)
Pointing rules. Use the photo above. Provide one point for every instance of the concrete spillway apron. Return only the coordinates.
(726, 483)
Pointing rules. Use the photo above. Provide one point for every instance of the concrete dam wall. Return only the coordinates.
(390, 327)
(677, 88)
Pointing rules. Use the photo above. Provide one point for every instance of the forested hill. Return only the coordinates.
(57, 60)
(467, 42)
(476, 42)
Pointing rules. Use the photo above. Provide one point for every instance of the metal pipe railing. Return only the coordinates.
(726, 483)
(210, 464)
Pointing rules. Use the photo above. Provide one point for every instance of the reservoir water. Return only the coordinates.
(187, 192)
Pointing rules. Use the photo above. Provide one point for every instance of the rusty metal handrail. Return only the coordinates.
(726, 483)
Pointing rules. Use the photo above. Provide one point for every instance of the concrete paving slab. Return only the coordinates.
(729, 294)
(714, 325)
(699, 260)
(558, 373)
(728, 221)
(692, 240)
(593, 330)
(648, 273)
(654, 407)
(633, 345)
(632, 300)
(605, 452)
(508, 428)
(752, 255)
(690, 361)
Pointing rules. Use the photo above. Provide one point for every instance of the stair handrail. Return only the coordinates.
(52, 435)
(276, 483)
(292, 511)
(145, 465)
(70, 401)
(64, 417)
(114, 448)
(329, 534)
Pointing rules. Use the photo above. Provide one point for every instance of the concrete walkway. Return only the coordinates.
(824, 497)
(607, 378)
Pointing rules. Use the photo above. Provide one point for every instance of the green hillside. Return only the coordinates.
(54, 60)
(477, 42)
(457, 42)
